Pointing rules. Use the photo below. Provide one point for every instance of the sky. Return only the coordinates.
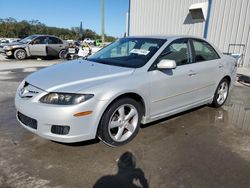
(69, 13)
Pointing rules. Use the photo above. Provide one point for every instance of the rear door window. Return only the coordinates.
(40, 40)
(54, 40)
(203, 51)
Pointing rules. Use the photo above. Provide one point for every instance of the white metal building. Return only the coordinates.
(226, 23)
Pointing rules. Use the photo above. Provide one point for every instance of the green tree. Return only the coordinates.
(11, 28)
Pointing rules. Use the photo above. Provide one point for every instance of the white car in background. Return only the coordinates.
(6, 41)
(89, 41)
(132, 81)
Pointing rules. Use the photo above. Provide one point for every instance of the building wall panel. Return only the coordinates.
(229, 21)
(228, 25)
(162, 17)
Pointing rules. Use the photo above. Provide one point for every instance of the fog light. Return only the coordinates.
(59, 129)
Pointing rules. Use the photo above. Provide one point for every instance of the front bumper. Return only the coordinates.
(6, 52)
(81, 128)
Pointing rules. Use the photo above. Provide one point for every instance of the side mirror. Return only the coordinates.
(32, 42)
(166, 64)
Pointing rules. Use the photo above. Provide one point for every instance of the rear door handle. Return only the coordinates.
(191, 73)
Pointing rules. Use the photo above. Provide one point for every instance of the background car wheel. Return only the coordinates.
(20, 54)
(9, 57)
(221, 93)
(75, 57)
(120, 122)
(62, 54)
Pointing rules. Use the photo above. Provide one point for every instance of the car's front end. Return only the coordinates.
(56, 120)
(54, 107)
(8, 50)
(76, 100)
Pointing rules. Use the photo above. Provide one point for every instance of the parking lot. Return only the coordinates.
(205, 147)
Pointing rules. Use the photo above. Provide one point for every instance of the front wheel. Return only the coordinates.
(221, 93)
(120, 122)
(20, 54)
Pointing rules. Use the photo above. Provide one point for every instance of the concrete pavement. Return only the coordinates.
(204, 147)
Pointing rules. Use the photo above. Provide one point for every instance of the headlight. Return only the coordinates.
(65, 98)
(7, 48)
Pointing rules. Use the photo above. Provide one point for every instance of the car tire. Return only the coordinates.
(120, 122)
(20, 54)
(75, 57)
(61, 54)
(221, 93)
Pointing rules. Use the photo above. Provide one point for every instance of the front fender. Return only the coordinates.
(109, 91)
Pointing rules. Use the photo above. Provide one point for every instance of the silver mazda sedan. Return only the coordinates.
(132, 81)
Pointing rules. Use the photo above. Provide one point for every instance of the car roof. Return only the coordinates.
(40, 35)
(173, 37)
(167, 37)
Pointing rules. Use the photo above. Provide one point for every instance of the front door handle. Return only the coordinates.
(221, 65)
(191, 73)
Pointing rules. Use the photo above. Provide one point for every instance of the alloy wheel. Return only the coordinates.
(123, 122)
(222, 93)
(21, 55)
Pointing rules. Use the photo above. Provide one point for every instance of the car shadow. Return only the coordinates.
(171, 117)
(79, 144)
(128, 175)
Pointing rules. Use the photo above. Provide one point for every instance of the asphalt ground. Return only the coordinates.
(201, 148)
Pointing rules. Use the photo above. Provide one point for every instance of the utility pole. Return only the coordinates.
(126, 29)
(103, 38)
(81, 31)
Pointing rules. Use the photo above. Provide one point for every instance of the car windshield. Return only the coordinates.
(28, 39)
(128, 52)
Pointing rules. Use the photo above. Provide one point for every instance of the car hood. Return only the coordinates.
(13, 44)
(74, 76)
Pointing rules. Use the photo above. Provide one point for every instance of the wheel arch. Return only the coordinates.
(215, 102)
(137, 97)
(132, 95)
(228, 78)
(21, 48)
(60, 51)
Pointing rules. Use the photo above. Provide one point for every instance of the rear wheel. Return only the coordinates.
(20, 54)
(62, 54)
(120, 122)
(221, 93)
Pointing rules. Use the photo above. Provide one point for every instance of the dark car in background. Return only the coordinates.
(36, 46)
(7, 41)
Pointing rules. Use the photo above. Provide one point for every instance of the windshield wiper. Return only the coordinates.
(96, 60)
(102, 62)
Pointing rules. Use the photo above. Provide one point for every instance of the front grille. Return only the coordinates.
(29, 122)
(58, 129)
(28, 91)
